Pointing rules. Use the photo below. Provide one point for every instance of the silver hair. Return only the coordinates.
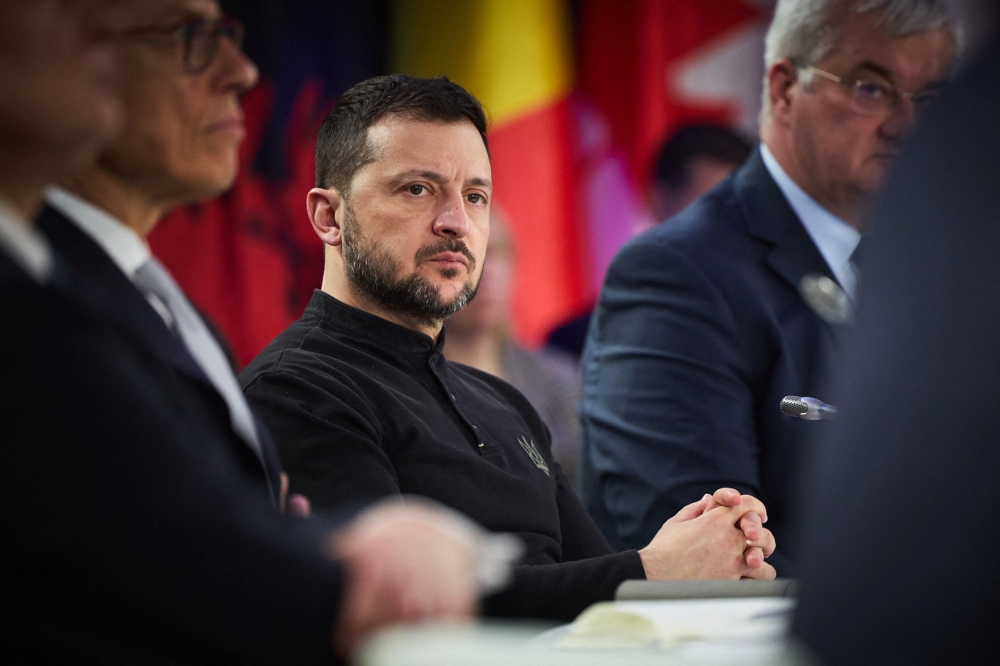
(803, 30)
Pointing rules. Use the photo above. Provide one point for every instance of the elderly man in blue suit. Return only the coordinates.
(703, 323)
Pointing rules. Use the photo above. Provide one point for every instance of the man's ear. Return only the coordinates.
(781, 76)
(326, 209)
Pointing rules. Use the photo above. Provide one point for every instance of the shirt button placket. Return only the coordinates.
(454, 403)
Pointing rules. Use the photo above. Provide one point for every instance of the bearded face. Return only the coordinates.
(375, 275)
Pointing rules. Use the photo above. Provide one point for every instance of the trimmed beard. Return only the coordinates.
(372, 271)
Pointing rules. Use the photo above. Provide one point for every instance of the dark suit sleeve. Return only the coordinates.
(128, 538)
(667, 409)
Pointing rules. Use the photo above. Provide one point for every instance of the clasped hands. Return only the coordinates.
(408, 562)
(720, 536)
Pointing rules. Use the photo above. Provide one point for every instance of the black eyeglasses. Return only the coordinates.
(873, 98)
(199, 36)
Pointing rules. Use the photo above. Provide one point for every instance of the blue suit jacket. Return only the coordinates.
(699, 332)
(129, 311)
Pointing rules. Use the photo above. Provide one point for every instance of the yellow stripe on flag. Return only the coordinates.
(513, 55)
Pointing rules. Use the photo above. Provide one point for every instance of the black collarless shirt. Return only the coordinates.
(362, 408)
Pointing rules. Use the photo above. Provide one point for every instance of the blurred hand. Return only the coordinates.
(294, 505)
(720, 536)
(403, 563)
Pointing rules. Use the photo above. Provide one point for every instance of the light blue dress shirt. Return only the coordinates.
(835, 239)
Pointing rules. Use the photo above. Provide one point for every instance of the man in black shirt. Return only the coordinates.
(363, 405)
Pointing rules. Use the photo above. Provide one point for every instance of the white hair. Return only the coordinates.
(803, 30)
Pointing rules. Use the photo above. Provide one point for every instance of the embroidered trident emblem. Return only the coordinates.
(536, 457)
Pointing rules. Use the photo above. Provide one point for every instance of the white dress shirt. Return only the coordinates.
(835, 239)
(127, 250)
(131, 254)
(24, 244)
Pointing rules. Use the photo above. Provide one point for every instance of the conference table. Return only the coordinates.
(693, 623)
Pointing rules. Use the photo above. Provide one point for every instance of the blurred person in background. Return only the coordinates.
(132, 532)
(701, 327)
(363, 404)
(691, 161)
(479, 336)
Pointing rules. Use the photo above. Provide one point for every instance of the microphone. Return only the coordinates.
(809, 409)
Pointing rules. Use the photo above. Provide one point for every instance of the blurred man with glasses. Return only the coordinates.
(139, 492)
(704, 324)
(183, 74)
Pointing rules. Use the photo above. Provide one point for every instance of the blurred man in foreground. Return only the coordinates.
(701, 328)
(916, 444)
(131, 532)
(363, 404)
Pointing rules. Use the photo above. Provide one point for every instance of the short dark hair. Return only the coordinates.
(693, 141)
(343, 147)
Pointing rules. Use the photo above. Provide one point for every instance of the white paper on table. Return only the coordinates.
(667, 623)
